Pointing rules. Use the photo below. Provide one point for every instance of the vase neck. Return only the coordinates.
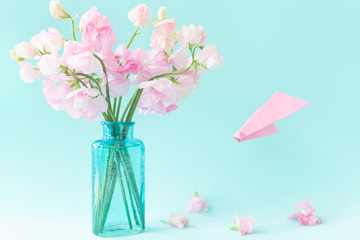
(116, 130)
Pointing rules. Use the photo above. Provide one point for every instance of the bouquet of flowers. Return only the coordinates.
(88, 78)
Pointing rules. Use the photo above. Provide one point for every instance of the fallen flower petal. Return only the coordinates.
(305, 214)
(197, 204)
(178, 220)
(244, 225)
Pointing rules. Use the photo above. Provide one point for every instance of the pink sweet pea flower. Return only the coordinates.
(162, 42)
(162, 38)
(161, 96)
(157, 97)
(85, 102)
(166, 27)
(244, 225)
(93, 17)
(188, 82)
(197, 204)
(180, 60)
(209, 57)
(118, 84)
(97, 31)
(28, 73)
(178, 220)
(55, 90)
(305, 214)
(80, 57)
(153, 62)
(49, 64)
(144, 64)
(25, 50)
(140, 16)
(191, 36)
(48, 41)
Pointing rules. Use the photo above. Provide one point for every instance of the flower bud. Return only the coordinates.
(14, 55)
(57, 11)
(162, 13)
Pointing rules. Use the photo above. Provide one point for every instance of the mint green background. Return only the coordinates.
(308, 49)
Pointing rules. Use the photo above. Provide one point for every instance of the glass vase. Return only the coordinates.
(118, 193)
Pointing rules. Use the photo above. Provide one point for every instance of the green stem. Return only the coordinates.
(171, 73)
(127, 107)
(134, 104)
(73, 28)
(129, 175)
(108, 199)
(124, 195)
(118, 109)
(91, 79)
(106, 76)
(100, 221)
(114, 110)
(132, 38)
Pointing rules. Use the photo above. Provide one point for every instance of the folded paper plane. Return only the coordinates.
(261, 123)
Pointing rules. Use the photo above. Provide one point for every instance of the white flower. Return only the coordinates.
(14, 55)
(49, 64)
(162, 13)
(48, 41)
(27, 72)
(57, 11)
(209, 57)
(25, 50)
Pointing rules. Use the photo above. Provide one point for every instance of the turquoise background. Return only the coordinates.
(308, 49)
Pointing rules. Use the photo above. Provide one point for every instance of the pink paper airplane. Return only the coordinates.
(261, 123)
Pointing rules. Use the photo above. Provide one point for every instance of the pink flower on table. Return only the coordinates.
(178, 220)
(244, 225)
(28, 73)
(140, 16)
(48, 41)
(49, 64)
(191, 36)
(305, 214)
(197, 204)
(118, 84)
(25, 50)
(85, 102)
(97, 31)
(80, 57)
(209, 57)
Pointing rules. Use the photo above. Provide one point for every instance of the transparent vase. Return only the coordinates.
(118, 193)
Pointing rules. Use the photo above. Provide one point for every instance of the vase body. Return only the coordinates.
(118, 188)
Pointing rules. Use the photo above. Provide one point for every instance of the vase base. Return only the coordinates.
(118, 233)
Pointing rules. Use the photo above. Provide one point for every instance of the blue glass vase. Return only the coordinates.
(118, 193)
